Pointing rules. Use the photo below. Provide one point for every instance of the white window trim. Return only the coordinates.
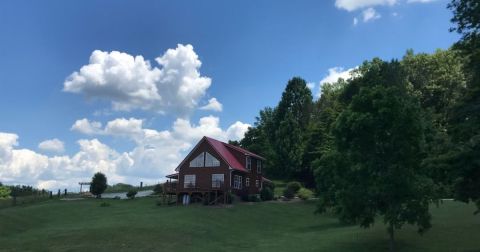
(185, 184)
(216, 183)
(248, 163)
(247, 182)
(257, 182)
(237, 182)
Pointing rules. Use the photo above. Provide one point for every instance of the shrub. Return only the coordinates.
(104, 204)
(230, 198)
(253, 198)
(158, 189)
(288, 193)
(304, 194)
(4, 192)
(131, 194)
(266, 194)
(294, 186)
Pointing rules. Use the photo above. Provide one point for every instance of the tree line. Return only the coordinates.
(389, 141)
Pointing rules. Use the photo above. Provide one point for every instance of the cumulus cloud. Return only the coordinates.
(52, 145)
(352, 5)
(213, 105)
(131, 82)
(154, 155)
(370, 14)
(86, 127)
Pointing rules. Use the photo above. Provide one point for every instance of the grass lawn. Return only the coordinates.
(140, 225)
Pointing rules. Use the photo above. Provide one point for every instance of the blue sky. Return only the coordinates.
(248, 51)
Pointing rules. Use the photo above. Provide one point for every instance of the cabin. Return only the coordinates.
(214, 169)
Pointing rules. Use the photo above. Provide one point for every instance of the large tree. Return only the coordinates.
(98, 184)
(373, 168)
(465, 119)
(291, 124)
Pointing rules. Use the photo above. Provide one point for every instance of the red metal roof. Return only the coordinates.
(225, 150)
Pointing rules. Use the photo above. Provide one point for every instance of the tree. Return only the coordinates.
(291, 124)
(465, 119)
(98, 184)
(373, 168)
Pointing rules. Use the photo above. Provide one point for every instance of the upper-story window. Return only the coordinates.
(259, 166)
(249, 163)
(205, 159)
(211, 161)
(217, 180)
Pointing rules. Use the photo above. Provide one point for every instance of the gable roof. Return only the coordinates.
(226, 153)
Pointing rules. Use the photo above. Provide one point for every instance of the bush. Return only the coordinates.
(158, 189)
(253, 198)
(230, 198)
(294, 186)
(131, 194)
(304, 194)
(288, 193)
(266, 194)
(4, 192)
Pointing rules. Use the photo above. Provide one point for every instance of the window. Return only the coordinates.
(247, 182)
(198, 161)
(257, 183)
(205, 159)
(249, 163)
(189, 181)
(237, 182)
(217, 180)
(211, 161)
(259, 166)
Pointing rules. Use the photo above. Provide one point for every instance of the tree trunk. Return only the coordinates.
(391, 231)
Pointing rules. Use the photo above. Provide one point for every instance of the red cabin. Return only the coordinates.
(214, 168)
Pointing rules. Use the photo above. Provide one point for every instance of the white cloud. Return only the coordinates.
(86, 127)
(213, 104)
(355, 21)
(420, 1)
(131, 82)
(311, 85)
(370, 14)
(155, 154)
(334, 74)
(352, 5)
(52, 145)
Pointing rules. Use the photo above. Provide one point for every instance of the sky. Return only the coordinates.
(127, 88)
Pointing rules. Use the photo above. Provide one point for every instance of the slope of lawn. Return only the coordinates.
(140, 225)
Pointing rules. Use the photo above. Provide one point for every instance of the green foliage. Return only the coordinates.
(131, 194)
(465, 117)
(288, 193)
(230, 198)
(304, 194)
(158, 189)
(98, 184)
(266, 194)
(373, 168)
(294, 186)
(4, 192)
(119, 187)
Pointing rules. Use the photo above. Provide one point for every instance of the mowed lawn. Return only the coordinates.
(140, 225)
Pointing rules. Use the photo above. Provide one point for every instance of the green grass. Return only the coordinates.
(140, 225)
